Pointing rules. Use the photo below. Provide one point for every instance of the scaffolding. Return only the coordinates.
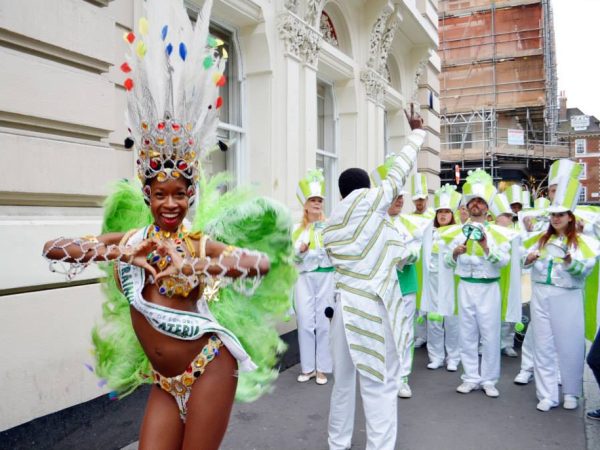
(498, 80)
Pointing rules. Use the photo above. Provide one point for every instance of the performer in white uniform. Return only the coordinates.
(314, 287)
(561, 259)
(533, 222)
(420, 196)
(410, 229)
(510, 275)
(477, 261)
(514, 196)
(364, 247)
(442, 326)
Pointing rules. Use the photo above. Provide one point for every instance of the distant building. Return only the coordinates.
(498, 89)
(582, 133)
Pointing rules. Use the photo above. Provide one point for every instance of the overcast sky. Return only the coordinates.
(577, 31)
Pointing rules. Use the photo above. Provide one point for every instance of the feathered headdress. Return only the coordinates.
(174, 73)
(446, 197)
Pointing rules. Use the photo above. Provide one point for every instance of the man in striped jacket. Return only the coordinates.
(364, 248)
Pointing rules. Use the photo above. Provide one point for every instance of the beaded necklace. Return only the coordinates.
(182, 240)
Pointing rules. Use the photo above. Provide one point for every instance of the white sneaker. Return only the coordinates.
(404, 390)
(304, 377)
(419, 342)
(467, 387)
(523, 377)
(570, 402)
(490, 390)
(452, 367)
(510, 352)
(434, 365)
(545, 405)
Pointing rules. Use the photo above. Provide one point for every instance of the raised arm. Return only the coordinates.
(405, 160)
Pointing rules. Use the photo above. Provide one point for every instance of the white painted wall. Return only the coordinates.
(61, 135)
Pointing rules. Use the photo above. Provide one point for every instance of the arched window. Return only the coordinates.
(328, 30)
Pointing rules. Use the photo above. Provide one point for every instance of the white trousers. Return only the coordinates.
(507, 335)
(527, 349)
(379, 399)
(407, 338)
(479, 317)
(314, 293)
(558, 327)
(441, 334)
(420, 330)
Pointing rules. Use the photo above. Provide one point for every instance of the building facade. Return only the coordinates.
(498, 89)
(312, 83)
(581, 132)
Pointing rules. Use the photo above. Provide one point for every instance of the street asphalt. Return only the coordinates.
(294, 416)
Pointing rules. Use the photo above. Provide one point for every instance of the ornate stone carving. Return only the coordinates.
(313, 12)
(418, 74)
(301, 40)
(386, 42)
(291, 32)
(327, 30)
(376, 37)
(292, 5)
(374, 85)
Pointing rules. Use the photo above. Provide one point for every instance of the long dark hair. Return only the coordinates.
(436, 224)
(570, 232)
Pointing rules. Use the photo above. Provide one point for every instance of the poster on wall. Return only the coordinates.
(516, 137)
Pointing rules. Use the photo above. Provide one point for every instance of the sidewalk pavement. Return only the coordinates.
(294, 416)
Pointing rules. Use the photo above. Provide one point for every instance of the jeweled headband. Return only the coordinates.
(174, 73)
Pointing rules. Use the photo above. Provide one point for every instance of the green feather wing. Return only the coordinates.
(120, 359)
(264, 225)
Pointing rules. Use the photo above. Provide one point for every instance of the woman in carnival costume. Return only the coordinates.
(442, 323)
(560, 258)
(184, 310)
(314, 288)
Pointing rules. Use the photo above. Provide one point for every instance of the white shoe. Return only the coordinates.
(452, 367)
(404, 390)
(434, 365)
(419, 342)
(321, 378)
(510, 352)
(523, 377)
(570, 402)
(304, 377)
(545, 405)
(467, 387)
(490, 390)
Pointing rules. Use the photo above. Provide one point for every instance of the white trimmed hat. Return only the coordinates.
(418, 186)
(446, 197)
(500, 205)
(514, 194)
(567, 194)
(312, 185)
(563, 168)
(479, 185)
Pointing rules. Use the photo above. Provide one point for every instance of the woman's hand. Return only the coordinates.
(303, 247)
(175, 267)
(567, 259)
(532, 257)
(459, 250)
(139, 256)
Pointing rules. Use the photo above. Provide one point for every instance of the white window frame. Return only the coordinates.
(583, 174)
(580, 143)
(330, 173)
(233, 131)
(582, 195)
